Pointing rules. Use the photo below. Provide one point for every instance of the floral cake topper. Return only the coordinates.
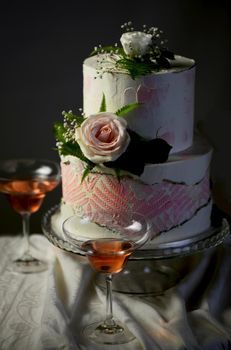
(104, 139)
(142, 52)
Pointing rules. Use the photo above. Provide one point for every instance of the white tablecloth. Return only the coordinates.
(47, 310)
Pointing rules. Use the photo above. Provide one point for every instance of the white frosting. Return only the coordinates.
(83, 227)
(188, 166)
(198, 223)
(167, 98)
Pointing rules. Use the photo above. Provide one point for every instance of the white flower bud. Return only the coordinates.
(136, 43)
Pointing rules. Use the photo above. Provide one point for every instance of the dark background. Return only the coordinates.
(43, 45)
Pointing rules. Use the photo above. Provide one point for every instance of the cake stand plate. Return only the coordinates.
(204, 240)
(151, 271)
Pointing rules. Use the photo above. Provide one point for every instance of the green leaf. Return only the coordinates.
(127, 108)
(87, 170)
(118, 173)
(59, 131)
(103, 107)
(73, 149)
(136, 67)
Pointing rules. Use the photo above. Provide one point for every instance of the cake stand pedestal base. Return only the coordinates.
(151, 276)
(156, 268)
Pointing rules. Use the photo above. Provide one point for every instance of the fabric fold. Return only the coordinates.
(48, 310)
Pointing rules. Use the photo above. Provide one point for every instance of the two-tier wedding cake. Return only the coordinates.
(133, 149)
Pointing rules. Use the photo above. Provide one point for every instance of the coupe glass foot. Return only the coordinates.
(100, 333)
(29, 264)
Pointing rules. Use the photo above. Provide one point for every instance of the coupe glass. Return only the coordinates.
(107, 241)
(25, 183)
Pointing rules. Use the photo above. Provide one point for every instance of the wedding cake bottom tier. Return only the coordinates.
(175, 196)
(194, 226)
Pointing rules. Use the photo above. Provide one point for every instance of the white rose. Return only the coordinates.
(136, 43)
(103, 137)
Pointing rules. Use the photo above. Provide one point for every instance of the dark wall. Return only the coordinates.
(43, 45)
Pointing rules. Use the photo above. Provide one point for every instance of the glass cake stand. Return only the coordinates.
(151, 271)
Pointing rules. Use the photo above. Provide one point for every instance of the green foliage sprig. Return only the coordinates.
(123, 111)
(64, 134)
(156, 59)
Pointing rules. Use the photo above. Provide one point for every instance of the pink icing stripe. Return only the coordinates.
(166, 204)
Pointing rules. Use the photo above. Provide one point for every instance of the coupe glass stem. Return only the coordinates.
(26, 231)
(109, 322)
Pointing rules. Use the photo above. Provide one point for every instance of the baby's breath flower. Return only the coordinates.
(141, 53)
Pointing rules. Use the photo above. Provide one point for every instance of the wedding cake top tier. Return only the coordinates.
(166, 98)
(144, 71)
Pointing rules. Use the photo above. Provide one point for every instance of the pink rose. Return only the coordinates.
(103, 137)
